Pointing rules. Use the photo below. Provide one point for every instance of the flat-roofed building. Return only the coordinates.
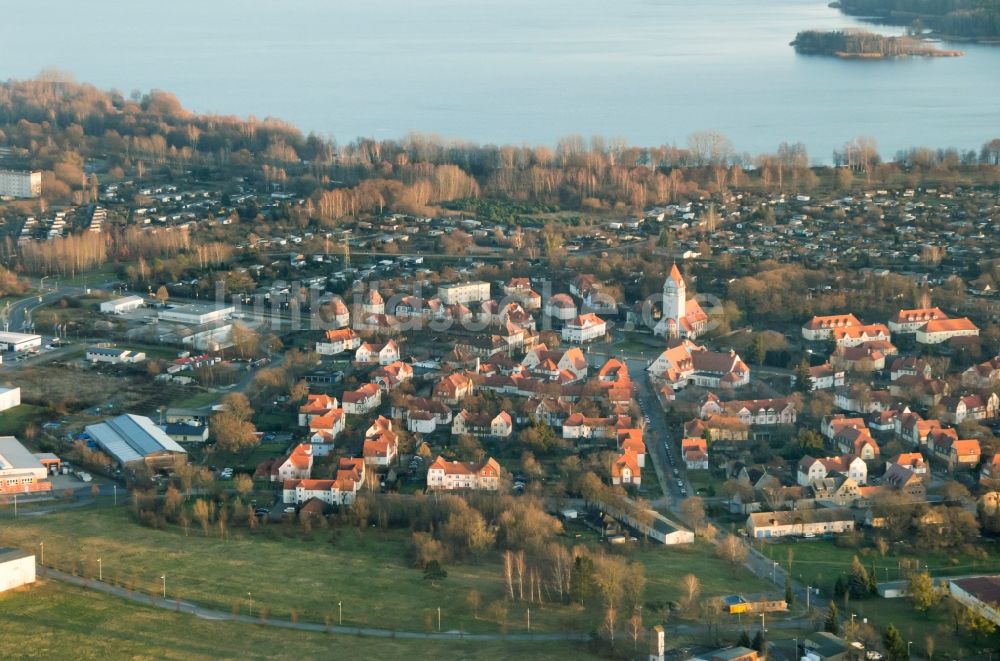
(464, 292)
(19, 341)
(196, 314)
(114, 355)
(9, 398)
(20, 470)
(17, 568)
(20, 183)
(122, 305)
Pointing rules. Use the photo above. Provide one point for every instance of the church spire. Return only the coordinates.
(675, 274)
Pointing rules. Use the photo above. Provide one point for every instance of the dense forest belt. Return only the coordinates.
(976, 20)
(863, 45)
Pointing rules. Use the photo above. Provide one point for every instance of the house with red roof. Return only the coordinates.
(625, 469)
(552, 364)
(942, 330)
(959, 453)
(983, 376)
(694, 451)
(519, 289)
(822, 327)
(422, 415)
(338, 341)
(362, 400)
(833, 424)
(584, 328)
(392, 376)
(852, 336)
(970, 407)
(324, 429)
(315, 406)
(499, 426)
(297, 465)
(857, 441)
(862, 358)
(341, 490)
(825, 377)
(913, 461)
(630, 440)
(910, 321)
(453, 388)
(372, 303)
(762, 412)
(811, 469)
(561, 307)
(380, 450)
(683, 363)
(578, 425)
(443, 475)
(720, 428)
(371, 353)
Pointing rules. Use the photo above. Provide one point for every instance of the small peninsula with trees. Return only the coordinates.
(864, 45)
(974, 20)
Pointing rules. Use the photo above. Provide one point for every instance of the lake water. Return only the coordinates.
(515, 71)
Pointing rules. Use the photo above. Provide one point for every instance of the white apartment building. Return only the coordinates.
(464, 292)
(20, 183)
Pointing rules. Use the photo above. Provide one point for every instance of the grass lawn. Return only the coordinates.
(819, 562)
(13, 421)
(665, 566)
(370, 572)
(196, 400)
(701, 481)
(55, 621)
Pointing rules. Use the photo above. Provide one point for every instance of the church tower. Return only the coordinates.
(674, 296)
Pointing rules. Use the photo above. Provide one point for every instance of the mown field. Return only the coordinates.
(304, 576)
(55, 621)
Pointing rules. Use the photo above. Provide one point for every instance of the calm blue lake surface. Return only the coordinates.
(515, 71)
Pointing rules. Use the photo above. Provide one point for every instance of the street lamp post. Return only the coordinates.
(908, 643)
(809, 590)
(41, 550)
(439, 619)
(529, 620)
(250, 597)
(100, 570)
(340, 613)
(164, 579)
